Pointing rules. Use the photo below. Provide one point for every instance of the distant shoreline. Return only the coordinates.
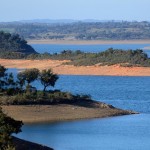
(88, 42)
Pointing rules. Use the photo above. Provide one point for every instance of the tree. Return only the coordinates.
(21, 79)
(8, 126)
(2, 71)
(10, 81)
(29, 75)
(48, 78)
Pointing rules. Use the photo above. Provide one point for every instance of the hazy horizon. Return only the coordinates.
(67, 21)
(129, 10)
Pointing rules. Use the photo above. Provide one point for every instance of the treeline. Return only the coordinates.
(109, 57)
(81, 30)
(12, 45)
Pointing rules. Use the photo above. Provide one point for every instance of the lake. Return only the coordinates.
(118, 133)
(54, 48)
(115, 133)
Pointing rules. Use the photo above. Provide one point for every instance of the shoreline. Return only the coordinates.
(58, 68)
(33, 114)
(62, 112)
(88, 42)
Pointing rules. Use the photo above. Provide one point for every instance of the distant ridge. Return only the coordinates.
(63, 21)
(49, 21)
(88, 29)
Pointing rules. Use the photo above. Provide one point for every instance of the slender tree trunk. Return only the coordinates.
(44, 88)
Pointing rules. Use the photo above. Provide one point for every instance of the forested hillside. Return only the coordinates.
(12, 45)
(80, 30)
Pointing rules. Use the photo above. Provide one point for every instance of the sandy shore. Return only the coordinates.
(61, 112)
(90, 42)
(59, 68)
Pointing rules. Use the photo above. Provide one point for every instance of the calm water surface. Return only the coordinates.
(117, 133)
(54, 48)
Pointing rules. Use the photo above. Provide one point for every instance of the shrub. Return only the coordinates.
(8, 126)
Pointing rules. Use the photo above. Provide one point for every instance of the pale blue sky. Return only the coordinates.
(14, 10)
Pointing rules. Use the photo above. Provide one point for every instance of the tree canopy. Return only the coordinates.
(48, 78)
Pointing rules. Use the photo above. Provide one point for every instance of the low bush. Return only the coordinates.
(52, 97)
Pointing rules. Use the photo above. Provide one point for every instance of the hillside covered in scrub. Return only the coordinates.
(109, 57)
(13, 46)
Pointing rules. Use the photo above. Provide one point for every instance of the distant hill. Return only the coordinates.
(79, 29)
(49, 21)
(12, 45)
(60, 21)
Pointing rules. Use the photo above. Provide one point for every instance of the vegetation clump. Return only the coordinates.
(21, 91)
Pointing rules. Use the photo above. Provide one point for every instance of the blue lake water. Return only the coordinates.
(53, 48)
(116, 133)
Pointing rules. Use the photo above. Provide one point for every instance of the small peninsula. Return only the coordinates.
(23, 102)
(63, 112)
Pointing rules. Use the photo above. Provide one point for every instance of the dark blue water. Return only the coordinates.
(53, 48)
(117, 133)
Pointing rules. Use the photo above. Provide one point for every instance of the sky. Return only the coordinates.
(128, 10)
